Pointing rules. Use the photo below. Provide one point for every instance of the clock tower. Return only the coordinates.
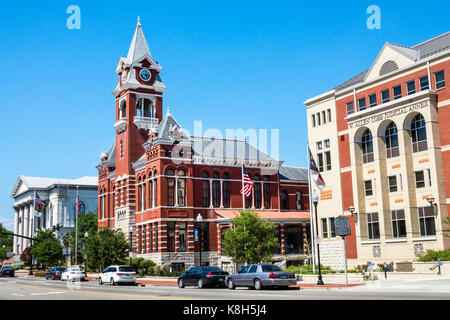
(138, 113)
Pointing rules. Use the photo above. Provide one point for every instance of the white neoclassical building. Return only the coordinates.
(59, 196)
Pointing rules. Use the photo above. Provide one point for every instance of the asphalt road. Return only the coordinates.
(20, 288)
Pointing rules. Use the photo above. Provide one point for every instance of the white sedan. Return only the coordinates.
(72, 274)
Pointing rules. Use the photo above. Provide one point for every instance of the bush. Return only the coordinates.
(433, 255)
(389, 267)
(308, 269)
(39, 274)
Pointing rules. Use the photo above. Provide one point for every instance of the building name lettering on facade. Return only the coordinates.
(388, 114)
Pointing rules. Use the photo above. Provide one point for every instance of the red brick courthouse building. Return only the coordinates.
(158, 179)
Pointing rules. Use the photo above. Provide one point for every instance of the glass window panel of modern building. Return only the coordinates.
(367, 146)
(373, 226)
(398, 224)
(391, 140)
(418, 134)
(426, 221)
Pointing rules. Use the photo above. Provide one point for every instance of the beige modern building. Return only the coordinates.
(382, 143)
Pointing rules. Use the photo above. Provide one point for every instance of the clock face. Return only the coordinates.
(145, 75)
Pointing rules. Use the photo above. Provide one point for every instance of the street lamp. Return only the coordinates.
(131, 230)
(199, 220)
(430, 200)
(315, 199)
(352, 211)
(86, 235)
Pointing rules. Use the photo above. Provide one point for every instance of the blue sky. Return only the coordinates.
(228, 63)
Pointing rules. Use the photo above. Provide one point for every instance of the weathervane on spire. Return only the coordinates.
(139, 21)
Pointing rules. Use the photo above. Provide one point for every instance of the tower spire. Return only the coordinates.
(138, 46)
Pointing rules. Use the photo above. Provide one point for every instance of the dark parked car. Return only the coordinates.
(202, 277)
(261, 275)
(7, 271)
(54, 273)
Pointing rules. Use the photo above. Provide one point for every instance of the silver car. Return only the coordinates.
(259, 276)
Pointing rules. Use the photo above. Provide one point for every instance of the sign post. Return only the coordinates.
(342, 228)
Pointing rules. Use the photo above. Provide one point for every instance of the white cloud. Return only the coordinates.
(7, 223)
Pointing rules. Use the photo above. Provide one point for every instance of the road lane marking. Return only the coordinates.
(17, 294)
(113, 294)
(44, 293)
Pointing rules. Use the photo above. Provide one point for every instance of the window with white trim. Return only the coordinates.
(439, 79)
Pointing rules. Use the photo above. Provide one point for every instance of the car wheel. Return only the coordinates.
(180, 284)
(200, 284)
(46, 277)
(231, 285)
(258, 284)
(111, 282)
(100, 282)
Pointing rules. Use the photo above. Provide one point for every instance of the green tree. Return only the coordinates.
(105, 248)
(6, 240)
(43, 235)
(48, 252)
(447, 230)
(251, 239)
(87, 222)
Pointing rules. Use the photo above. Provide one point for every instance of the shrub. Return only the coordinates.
(39, 274)
(433, 255)
(389, 267)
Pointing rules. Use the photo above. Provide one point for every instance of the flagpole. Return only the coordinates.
(76, 229)
(313, 251)
(243, 205)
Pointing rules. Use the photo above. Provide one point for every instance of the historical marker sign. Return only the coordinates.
(342, 226)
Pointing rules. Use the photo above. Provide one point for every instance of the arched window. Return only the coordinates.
(284, 200)
(257, 191)
(170, 187)
(155, 187)
(391, 140)
(150, 191)
(143, 200)
(266, 193)
(145, 108)
(367, 146)
(205, 190)
(226, 190)
(216, 190)
(181, 188)
(123, 110)
(418, 134)
(139, 197)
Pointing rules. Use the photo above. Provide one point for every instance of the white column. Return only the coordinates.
(221, 193)
(210, 194)
(16, 228)
(26, 231)
(21, 228)
(176, 192)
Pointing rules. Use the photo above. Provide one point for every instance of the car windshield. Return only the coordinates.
(7, 268)
(270, 268)
(126, 269)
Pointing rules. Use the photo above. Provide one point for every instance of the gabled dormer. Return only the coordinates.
(392, 57)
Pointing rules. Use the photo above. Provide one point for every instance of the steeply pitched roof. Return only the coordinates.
(424, 49)
(138, 47)
(293, 173)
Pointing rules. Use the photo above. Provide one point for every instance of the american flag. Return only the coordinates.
(39, 204)
(247, 183)
(78, 205)
(315, 173)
